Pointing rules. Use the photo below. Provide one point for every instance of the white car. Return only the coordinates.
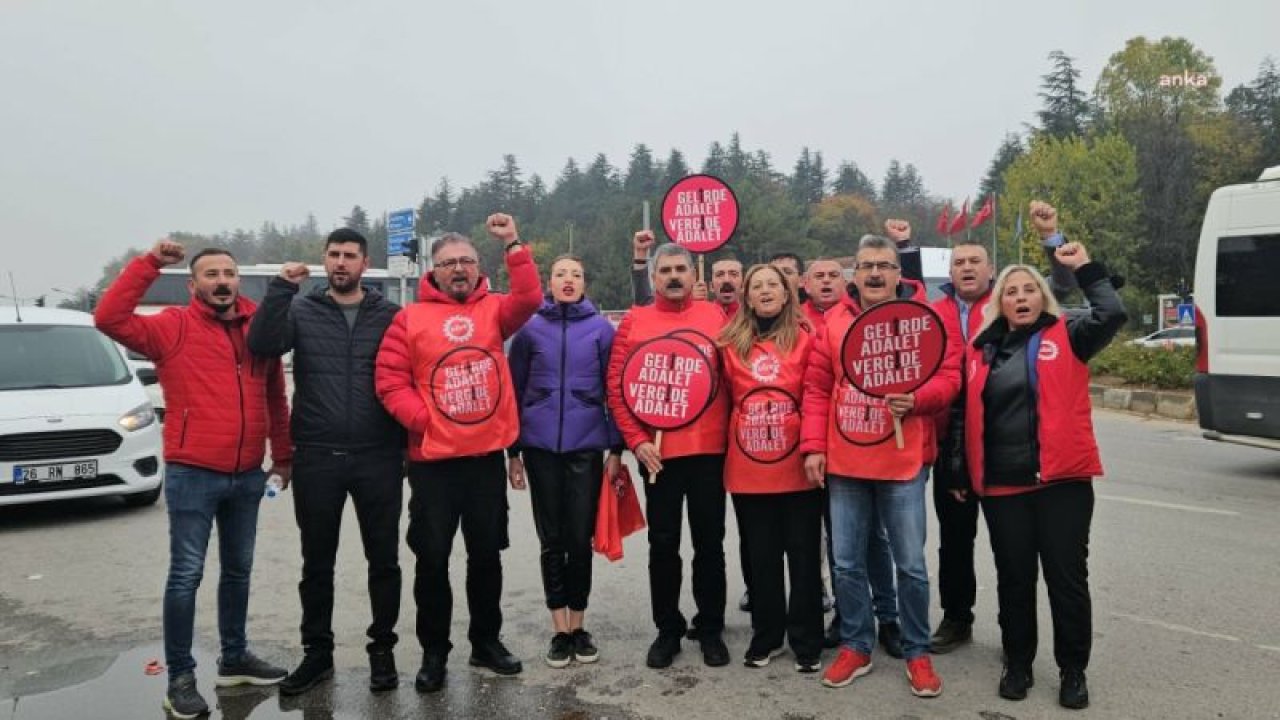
(75, 421)
(1168, 338)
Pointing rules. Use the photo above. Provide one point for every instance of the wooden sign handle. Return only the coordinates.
(897, 431)
(657, 444)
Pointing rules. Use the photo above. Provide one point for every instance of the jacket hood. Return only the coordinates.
(428, 291)
(580, 310)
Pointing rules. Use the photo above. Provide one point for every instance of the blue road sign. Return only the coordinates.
(399, 243)
(1186, 314)
(400, 221)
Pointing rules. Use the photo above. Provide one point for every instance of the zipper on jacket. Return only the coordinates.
(240, 389)
(564, 342)
(182, 438)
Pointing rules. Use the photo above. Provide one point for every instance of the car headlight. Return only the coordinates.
(138, 418)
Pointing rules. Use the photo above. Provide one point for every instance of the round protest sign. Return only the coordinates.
(667, 383)
(700, 213)
(893, 348)
(768, 425)
(466, 385)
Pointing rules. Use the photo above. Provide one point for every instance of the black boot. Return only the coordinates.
(314, 669)
(950, 635)
(494, 655)
(1015, 681)
(382, 671)
(431, 677)
(1074, 693)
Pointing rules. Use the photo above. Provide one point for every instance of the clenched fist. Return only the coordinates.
(898, 231)
(1072, 255)
(640, 244)
(295, 272)
(169, 252)
(1044, 218)
(502, 227)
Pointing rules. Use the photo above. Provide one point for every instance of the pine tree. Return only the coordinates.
(852, 181)
(1065, 108)
(993, 184)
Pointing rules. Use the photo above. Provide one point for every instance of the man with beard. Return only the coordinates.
(345, 443)
(223, 406)
(441, 372)
(691, 461)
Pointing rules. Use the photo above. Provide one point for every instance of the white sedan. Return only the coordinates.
(1168, 338)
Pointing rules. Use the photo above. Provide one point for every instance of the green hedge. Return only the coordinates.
(1153, 367)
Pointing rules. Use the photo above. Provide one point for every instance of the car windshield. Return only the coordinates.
(57, 356)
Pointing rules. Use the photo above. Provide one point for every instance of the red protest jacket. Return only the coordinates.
(441, 371)
(764, 421)
(707, 434)
(855, 430)
(1064, 415)
(222, 403)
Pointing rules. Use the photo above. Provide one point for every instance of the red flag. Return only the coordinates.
(984, 214)
(958, 223)
(944, 221)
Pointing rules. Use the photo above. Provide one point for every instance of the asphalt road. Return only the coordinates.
(1185, 578)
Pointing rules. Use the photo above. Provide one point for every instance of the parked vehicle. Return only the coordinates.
(1168, 338)
(75, 420)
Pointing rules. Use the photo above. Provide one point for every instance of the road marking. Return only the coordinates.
(1271, 648)
(1169, 506)
(1175, 628)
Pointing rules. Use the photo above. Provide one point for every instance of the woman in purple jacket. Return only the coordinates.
(558, 364)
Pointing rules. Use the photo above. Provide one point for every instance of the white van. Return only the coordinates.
(1237, 299)
(75, 421)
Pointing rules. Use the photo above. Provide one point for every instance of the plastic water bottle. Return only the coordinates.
(274, 486)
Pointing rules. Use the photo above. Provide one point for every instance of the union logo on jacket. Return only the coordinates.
(764, 421)
(441, 370)
(1064, 412)
(698, 322)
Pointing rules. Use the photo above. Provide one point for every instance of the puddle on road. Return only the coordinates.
(103, 689)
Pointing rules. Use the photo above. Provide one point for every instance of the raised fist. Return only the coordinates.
(1072, 255)
(502, 227)
(1044, 218)
(168, 252)
(295, 272)
(898, 231)
(640, 244)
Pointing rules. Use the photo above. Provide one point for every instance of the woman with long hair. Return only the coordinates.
(1032, 456)
(765, 349)
(558, 365)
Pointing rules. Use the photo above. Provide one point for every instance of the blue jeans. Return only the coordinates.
(196, 498)
(884, 595)
(855, 504)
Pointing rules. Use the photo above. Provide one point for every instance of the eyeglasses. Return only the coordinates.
(881, 266)
(462, 262)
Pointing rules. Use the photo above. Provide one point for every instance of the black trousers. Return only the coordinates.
(565, 490)
(1049, 525)
(322, 480)
(778, 526)
(470, 491)
(957, 529)
(700, 479)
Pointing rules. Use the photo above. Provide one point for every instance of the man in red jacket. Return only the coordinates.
(961, 306)
(441, 372)
(224, 405)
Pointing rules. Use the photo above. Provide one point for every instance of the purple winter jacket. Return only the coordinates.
(559, 361)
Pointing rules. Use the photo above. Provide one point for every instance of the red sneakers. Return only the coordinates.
(849, 665)
(924, 681)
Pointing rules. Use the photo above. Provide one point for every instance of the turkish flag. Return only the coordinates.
(984, 213)
(944, 221)
(958, 223)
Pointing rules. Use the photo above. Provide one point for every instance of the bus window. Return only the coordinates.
(1247, 276)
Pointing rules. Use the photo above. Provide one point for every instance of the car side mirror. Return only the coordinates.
(147, 376)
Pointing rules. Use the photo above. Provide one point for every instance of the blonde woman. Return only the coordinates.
(765, 349)
(1032, 454)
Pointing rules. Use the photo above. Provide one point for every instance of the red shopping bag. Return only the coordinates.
(617, 516)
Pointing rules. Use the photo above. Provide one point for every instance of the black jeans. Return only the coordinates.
(470, 491)
(700, 478)
(322, 480)
(1050, 525)
(776, 526)
(957, 528)
(565, 490)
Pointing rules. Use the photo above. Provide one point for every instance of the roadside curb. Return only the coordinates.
(1161, 403)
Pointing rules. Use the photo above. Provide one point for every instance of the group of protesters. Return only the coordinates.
(429, 391)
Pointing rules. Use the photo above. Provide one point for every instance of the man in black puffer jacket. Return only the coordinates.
(345, 443)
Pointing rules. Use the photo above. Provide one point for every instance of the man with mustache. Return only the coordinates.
(725, 283)
(691, 461)
(224, 405)
(345, 444)
(441, 372)
(849, 442)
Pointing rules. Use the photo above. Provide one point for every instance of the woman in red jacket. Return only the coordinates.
(1032, 453)
(765, 349)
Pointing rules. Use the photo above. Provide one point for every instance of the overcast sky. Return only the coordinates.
(124, 120)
